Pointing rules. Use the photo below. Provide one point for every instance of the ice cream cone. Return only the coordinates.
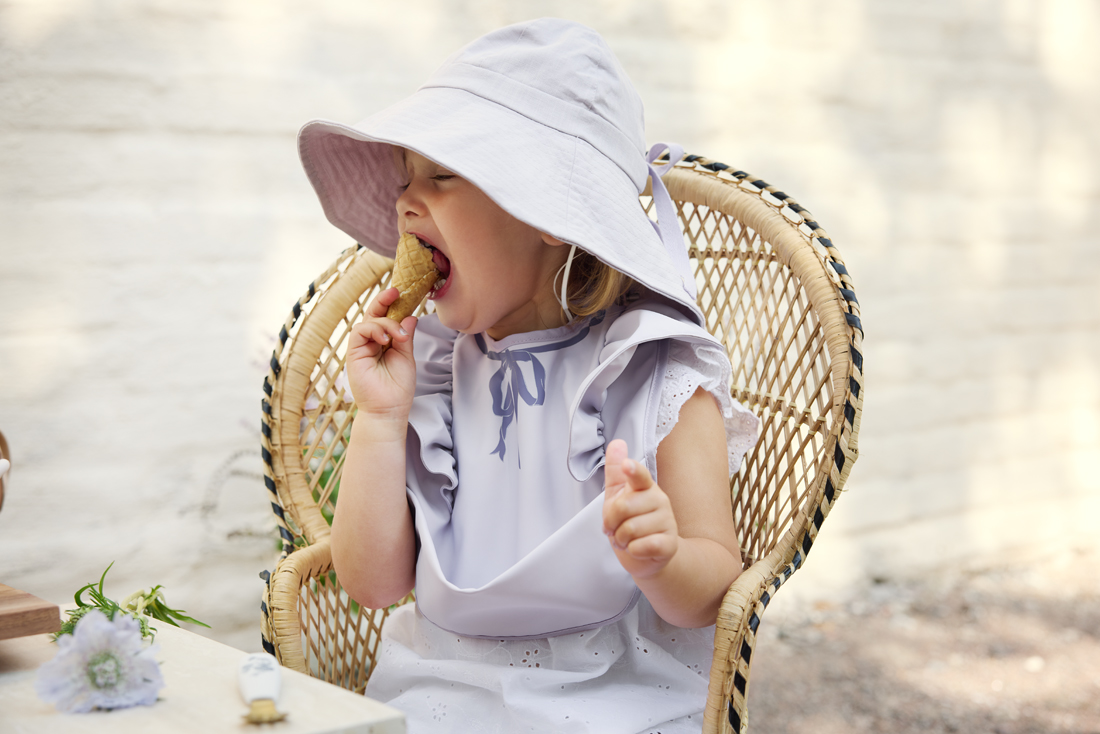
(414, 274)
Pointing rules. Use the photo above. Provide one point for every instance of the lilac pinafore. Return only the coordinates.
(505, 478)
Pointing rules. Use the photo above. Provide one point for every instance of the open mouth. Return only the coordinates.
(444, 267)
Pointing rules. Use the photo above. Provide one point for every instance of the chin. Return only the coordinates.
(450, 320)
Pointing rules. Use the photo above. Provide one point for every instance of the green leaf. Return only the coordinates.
(150, 603)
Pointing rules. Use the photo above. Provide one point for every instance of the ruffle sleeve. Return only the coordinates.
(622, 397)
(429, 435)
(693, 366)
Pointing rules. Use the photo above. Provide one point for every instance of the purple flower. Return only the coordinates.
(103, 664)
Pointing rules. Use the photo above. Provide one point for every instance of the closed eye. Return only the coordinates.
(436, 177)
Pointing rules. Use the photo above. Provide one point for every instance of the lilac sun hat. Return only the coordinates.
(542, 118)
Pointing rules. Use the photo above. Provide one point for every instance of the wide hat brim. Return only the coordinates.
(555, 182)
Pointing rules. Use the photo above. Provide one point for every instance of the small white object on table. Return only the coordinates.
(200, 696)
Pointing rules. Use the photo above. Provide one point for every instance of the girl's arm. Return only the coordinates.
(678, 539)
(373, 541)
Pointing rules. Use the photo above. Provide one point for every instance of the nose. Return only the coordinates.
(409, 204)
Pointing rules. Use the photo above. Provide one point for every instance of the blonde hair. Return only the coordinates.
(594, 285)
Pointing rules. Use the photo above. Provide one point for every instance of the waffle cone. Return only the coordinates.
(414, 274)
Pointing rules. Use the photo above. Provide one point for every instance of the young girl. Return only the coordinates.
(561, 586)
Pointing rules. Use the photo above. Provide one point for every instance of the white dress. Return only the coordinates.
(524, 619)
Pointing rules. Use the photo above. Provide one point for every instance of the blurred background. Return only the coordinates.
(156, 227)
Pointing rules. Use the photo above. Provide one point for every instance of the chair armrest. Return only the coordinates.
(282, 620)
(311, 624)
(735, 640)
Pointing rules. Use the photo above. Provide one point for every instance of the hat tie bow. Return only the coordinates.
(667, 226)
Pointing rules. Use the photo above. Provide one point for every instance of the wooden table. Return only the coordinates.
(200, 695)
(25, 614)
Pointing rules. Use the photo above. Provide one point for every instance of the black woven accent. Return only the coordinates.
(807, 543)
(796, 207)
(754, 622)
(297, 310)
(830, 492)
(825, 241)
(278, 510)
(781, 195)
(740, 682)
(266, 455)
(691, 158)
(266, 406)
(266, 576)
(263, 607)
(270, 484)
(283, 335)
(812, 224)
(716, 166)
(818, 518)
(265, 429)
(746, 651)
(849, 412)
(268, 647)
(849, 295)
(797, 560)
(275, 364)
(857, 359)
(312, 290)
(853, 321)
(853, 385)
(838, 457)
(286, 536)
(734, 718)
(765, 599)
(267, 386)
(839, 268)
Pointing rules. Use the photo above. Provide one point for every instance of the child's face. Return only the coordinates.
(501, 270)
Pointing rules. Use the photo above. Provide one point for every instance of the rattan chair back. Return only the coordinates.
(772, 287)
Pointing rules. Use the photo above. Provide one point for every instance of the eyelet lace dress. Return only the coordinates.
(525, 621)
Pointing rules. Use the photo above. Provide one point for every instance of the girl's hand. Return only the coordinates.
(637, 515)
(380, 363)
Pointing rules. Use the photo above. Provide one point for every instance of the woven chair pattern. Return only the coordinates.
(773, 289)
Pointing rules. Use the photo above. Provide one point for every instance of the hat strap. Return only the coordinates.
(564, 300)
(667, 224)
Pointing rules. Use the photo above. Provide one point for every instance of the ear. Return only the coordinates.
(552, 240)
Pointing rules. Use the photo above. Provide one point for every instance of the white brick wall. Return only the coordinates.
(155, 228)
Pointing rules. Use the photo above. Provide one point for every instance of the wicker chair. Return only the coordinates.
(773, 289)
(5, 466)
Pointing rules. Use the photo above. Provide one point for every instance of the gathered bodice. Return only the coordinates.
(505, 472)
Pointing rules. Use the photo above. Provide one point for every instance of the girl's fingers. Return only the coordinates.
(626, 505)
(382, 302)
(637, 516)
(637, 475)
(373, 331)
(402, 340)
(653, 547)
(614, 479)
(637, 527)
(383, 330)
